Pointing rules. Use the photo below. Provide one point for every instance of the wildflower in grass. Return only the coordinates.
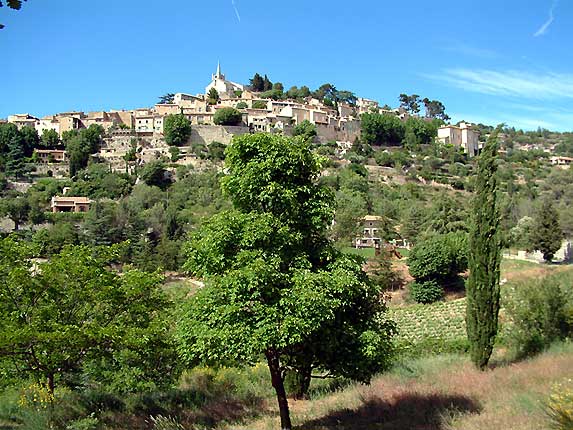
(559, 408)
(36, 396)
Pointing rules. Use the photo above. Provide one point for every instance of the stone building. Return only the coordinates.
(70, 204)
(463, 136)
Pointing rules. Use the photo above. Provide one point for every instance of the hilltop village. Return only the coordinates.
(153, 258)
(273, 110)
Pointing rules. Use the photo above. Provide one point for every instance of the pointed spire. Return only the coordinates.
(218, 69)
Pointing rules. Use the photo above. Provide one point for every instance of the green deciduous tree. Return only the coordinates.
(439, 258)
(275, 286)
(216, 151)
(80, 145)
(176, 129)
(259, 104)
(306, 130)
(384, 129)
(546, 234)
(298, 93)
(423, 132)
(155, 174)
(30, 139)
(59, 315)
(484, 258)
(227, 116)
(50, 138)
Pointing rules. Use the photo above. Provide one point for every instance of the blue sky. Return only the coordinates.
(487, 61)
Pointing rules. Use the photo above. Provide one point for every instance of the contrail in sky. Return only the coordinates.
(236, 10)
(543, 29)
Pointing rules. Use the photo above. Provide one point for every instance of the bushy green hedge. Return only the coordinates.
(439, 257)
(537, 312)
(426, 291)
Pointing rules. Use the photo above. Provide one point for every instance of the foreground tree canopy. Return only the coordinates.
(74, 315)
(275, 286)
(12, 4)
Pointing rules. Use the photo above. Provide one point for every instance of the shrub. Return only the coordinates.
(426, 291)
(384, 158)
(174, 151)
(259, 104)
(86, 423)
(439, 257)
(559, 408)
(176, 129)
(306, 129)
(227, 116)
(538, 312)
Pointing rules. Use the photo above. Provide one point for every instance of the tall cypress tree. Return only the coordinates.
(484, 258)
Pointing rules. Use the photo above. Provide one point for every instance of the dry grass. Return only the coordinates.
(438, 393)
(514, 270)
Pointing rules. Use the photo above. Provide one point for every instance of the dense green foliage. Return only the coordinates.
(439, 257)
(15, 146)
(50, 139)
(81, 145)
(305, 129)
(546, 234)
(383, 129)
(176, 129)
(227, 116)
(213, 96)
(484, 258)
(426, 292)
(436, 262)
(538, 311)
(275, 285)
(389, 130)
(72, 315)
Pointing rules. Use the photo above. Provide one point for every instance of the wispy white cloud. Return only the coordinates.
(543, 29)
(236, 10)
(510, 119)
(471, 51)
(511, 83)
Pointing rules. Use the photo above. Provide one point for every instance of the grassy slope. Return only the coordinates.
(443, 392)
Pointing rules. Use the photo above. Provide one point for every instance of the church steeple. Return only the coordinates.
(218, 75)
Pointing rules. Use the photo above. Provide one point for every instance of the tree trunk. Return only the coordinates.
(278, 385)
(303, 377)
(51, 384)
